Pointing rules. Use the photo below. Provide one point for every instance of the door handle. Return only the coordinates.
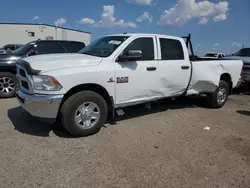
(151, 68)
(184, 67)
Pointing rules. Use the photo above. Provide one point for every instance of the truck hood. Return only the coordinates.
(51, 62)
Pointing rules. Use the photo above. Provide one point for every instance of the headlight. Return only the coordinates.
(47, 83)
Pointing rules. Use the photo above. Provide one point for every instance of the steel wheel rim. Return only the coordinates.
(87, 115)
(221, 95)
(7, 85)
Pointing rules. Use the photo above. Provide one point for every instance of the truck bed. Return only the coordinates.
(206, 74)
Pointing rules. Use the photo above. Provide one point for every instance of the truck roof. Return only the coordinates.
(146, 34)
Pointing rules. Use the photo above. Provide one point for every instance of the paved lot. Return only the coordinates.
(166, 147)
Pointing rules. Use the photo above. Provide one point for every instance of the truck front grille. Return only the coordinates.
(23, 80)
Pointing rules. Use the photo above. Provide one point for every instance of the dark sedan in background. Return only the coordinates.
(9, 47)
(8, 80)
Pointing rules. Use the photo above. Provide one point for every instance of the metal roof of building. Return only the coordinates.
(44, 25)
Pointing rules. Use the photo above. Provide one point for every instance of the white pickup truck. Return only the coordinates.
(83, 89)
(214, 55)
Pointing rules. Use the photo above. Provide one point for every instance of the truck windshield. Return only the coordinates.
(211, 55)
(23, 49)
(104, 47)
(243, 52)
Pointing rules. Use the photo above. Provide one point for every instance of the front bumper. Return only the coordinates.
(40, 106)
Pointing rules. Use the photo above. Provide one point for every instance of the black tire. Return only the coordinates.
(212, 100)
(70, 106)
(13, 83)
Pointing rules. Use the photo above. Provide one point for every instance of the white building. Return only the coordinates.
(20, 33)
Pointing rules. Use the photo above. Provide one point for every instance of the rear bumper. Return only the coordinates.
(44, 107)
(245, 78)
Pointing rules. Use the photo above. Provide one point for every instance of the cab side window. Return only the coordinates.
(48, 48)
(171, 49)
(146, 45)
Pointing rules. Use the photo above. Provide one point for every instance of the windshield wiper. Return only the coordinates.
(87, 53)
(92, 54)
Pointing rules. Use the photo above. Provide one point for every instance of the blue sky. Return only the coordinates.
(215, 25)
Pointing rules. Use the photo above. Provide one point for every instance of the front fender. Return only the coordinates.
(70, 78)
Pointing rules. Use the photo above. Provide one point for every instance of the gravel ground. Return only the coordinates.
(166, 146)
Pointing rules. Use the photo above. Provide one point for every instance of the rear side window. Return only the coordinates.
(73, 47)
(146, 45)
(171, 49)
(49, 48)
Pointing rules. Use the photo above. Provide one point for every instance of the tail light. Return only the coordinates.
(241, 73)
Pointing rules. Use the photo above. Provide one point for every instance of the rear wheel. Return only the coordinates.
(220, 96)
(84, 113)
(8, 83)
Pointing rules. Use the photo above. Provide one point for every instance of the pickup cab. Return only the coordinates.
(82, 90)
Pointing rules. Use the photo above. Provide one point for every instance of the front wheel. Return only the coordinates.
(8, 83)
(219, 97)
(84, 113)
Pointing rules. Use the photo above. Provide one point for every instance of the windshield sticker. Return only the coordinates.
(116, 42)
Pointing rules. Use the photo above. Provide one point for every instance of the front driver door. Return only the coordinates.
(136, 81)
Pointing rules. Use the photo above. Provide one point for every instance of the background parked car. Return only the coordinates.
(8, 80)
(244, 55)
(214, 55)
(9, 47)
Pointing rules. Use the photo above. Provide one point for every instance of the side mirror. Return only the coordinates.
(131, 55)
(32, 52)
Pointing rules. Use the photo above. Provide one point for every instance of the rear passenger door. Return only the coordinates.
(48, 47)
(174, 66)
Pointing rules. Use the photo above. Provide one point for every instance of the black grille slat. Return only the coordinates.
(23, 79)
(22, 73)
(25, 85)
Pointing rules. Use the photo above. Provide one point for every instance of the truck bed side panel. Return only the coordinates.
(206, 75)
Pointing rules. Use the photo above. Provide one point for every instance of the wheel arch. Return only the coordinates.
(227, 78)
(95, 88)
